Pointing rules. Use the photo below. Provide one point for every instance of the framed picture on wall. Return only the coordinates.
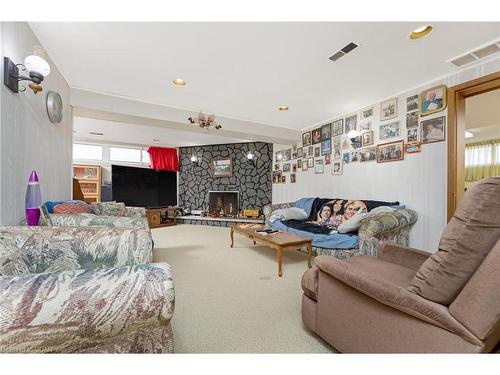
(293, 178)
(317, 151)
(276, 177)
(338, 127)
(337, 167)
(387, 131)
(304, 165)
(432, 130)
(367, 138)
(286, 167)
(365, 126)
(319, 167)
(326, 147)
(327, 159)
(412, 120)
(299, 152)
(326, 132)
(392, 151)
(287, 156)
(366, 113)
(412, 148)
(222, 167)
(367, 154)
(316, 136)
(389, 109)
(310, 163)
(346, 157)
(351, 123)
(412, 135)
(432, 100)
(306, 139)
(310, 151)
(412, 103)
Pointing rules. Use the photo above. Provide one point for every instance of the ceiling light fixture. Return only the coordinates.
(205, 121)
(468, 135)
(282, 108)
(34, 65)
(179, 82)
(421, 32)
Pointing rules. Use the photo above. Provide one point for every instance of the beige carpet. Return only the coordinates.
(232, 300)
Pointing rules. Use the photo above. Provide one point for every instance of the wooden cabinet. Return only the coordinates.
(89, 178)
(161, 217)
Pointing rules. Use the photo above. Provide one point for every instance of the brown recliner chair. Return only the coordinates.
(409, 301)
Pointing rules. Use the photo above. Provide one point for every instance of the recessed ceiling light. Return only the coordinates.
(468, 135)
(179, 82)
(282, 108)
(421, 32)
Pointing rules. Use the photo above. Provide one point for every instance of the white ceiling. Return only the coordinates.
(119, 132)
(246, 70)
(482, 116)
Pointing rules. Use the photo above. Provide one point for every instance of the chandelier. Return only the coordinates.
(205, 121)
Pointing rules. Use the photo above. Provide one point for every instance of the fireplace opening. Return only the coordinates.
(223, 204)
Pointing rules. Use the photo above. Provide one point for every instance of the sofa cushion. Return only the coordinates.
(112, 209)
(70, 208)
(291, 213)
(466, 241)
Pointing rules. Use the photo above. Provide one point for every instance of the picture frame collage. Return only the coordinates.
(329, 144)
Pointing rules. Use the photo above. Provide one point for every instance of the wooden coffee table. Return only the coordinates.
(281, 241)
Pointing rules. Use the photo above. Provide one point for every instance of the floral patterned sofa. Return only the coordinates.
(89, 289)
(388, 226)
(109, 214)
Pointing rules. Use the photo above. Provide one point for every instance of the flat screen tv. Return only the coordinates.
(143, 187)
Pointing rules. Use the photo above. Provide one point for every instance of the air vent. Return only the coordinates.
(479, 53)
(344, 51)
(96, 133)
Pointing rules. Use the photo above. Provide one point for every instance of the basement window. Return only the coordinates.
(86, 152)
(127, 155)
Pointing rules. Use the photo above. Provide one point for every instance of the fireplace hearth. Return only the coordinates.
(223, 204)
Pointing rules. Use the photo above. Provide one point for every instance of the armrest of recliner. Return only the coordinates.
(403, 256)
(392, 295)
(69, 310)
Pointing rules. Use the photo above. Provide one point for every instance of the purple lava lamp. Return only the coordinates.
(33, 200)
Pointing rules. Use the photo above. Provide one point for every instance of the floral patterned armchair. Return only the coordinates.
(90, 289)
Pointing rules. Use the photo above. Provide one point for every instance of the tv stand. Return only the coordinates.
(161, 217)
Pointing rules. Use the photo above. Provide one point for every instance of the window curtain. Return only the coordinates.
(482, 160)
(164, 159)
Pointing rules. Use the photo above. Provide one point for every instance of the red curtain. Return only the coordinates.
(164, 158)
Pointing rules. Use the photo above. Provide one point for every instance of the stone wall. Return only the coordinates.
(252, 181)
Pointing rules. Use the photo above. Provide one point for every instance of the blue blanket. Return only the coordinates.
(328, 241)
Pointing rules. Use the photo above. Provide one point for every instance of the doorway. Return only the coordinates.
(474, 95)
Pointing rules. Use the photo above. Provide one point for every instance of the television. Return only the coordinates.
(143, 187)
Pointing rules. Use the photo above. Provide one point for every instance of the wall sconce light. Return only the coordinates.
(195, 160)
(251, 157)
(35, 66)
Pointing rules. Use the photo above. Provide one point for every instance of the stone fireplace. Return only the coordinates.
(223, 204)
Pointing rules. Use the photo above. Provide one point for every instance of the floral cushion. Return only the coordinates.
(112, 209)
(73, 208)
